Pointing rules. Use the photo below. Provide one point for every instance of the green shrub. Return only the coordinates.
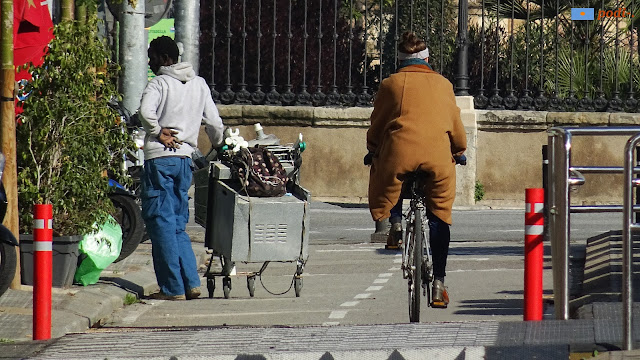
(479, 191)
(130, 299)
(68, 137)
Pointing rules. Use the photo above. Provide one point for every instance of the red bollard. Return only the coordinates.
(42, 272)
(533, 253)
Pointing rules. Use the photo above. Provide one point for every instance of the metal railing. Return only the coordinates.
(629, 226)
(322, 52)
(525, 55)
(561, 176)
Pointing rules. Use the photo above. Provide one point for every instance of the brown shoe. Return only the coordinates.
(162, 296)
(394, 239)
(193, 293)
(439, 295)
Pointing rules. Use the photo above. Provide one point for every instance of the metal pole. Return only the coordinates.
(133, 55)
(627, 254)
(187, 26)
(462, 77)
(560, 145)
(637, 188)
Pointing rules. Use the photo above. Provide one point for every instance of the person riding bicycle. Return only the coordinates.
(415, 125)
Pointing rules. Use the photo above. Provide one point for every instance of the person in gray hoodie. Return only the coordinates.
(174, 105)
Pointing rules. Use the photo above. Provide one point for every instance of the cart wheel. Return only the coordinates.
(297, 284)
(251, 285)
(226, 286)
(211, 286)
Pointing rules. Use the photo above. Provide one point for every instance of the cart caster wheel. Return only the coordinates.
(251, 285)
(211, 286)
(226, 286)
(297, 285)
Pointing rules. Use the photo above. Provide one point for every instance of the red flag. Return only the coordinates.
(32, 32)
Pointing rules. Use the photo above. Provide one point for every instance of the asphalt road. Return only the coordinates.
(348, 280)
(348, 223)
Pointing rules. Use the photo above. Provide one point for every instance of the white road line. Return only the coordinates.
(385, 275)
(477, 243)
(236, 314)
(380, 281)
(350, 303)
(338, 314)
(341, 211)
(362, 296)
(466, 258)
(374, 288)
(483, 270)
(346, 250)
(395, 268)
(330, 323)
(397, 261)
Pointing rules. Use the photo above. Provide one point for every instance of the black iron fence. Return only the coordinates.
(508, 54)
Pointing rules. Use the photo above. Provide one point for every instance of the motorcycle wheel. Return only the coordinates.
(129, 216)
(8, 259)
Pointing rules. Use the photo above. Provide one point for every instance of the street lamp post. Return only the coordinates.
(462, 44)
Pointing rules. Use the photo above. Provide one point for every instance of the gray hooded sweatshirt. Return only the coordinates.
(179, 100)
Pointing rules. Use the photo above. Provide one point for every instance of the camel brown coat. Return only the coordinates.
(415, 124)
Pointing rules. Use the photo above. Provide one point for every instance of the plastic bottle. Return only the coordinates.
(259, 131)
(261, 138)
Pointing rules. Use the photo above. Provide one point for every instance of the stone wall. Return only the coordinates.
(504, 149)
(510, 153)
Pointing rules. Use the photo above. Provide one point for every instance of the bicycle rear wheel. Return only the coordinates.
(415, 266)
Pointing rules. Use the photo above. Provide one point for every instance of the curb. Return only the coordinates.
(86, 308)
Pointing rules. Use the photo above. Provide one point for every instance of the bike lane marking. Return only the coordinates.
(382, 278)
(350, 303)
(338, 314)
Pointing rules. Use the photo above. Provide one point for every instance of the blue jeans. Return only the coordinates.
(439, 239)
(165, 210)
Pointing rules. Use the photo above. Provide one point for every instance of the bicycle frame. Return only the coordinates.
(416, 206)
(416, 202)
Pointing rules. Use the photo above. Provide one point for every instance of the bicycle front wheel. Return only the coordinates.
(415, 266)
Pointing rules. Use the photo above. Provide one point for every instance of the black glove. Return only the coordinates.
(368, 159)
(460, 160)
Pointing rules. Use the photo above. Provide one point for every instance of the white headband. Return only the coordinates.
(419, 55)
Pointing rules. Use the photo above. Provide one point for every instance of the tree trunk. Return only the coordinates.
(67, 8)
(8, 125)
(81, 13)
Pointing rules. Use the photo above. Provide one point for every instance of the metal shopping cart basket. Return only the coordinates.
(252, 229)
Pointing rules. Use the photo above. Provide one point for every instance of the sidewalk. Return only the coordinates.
(78, 308)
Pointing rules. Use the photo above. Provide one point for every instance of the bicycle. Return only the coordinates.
(417, 262)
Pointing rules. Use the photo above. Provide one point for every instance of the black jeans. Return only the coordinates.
(439, 238)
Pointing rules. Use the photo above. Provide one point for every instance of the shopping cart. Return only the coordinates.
(256, 230)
